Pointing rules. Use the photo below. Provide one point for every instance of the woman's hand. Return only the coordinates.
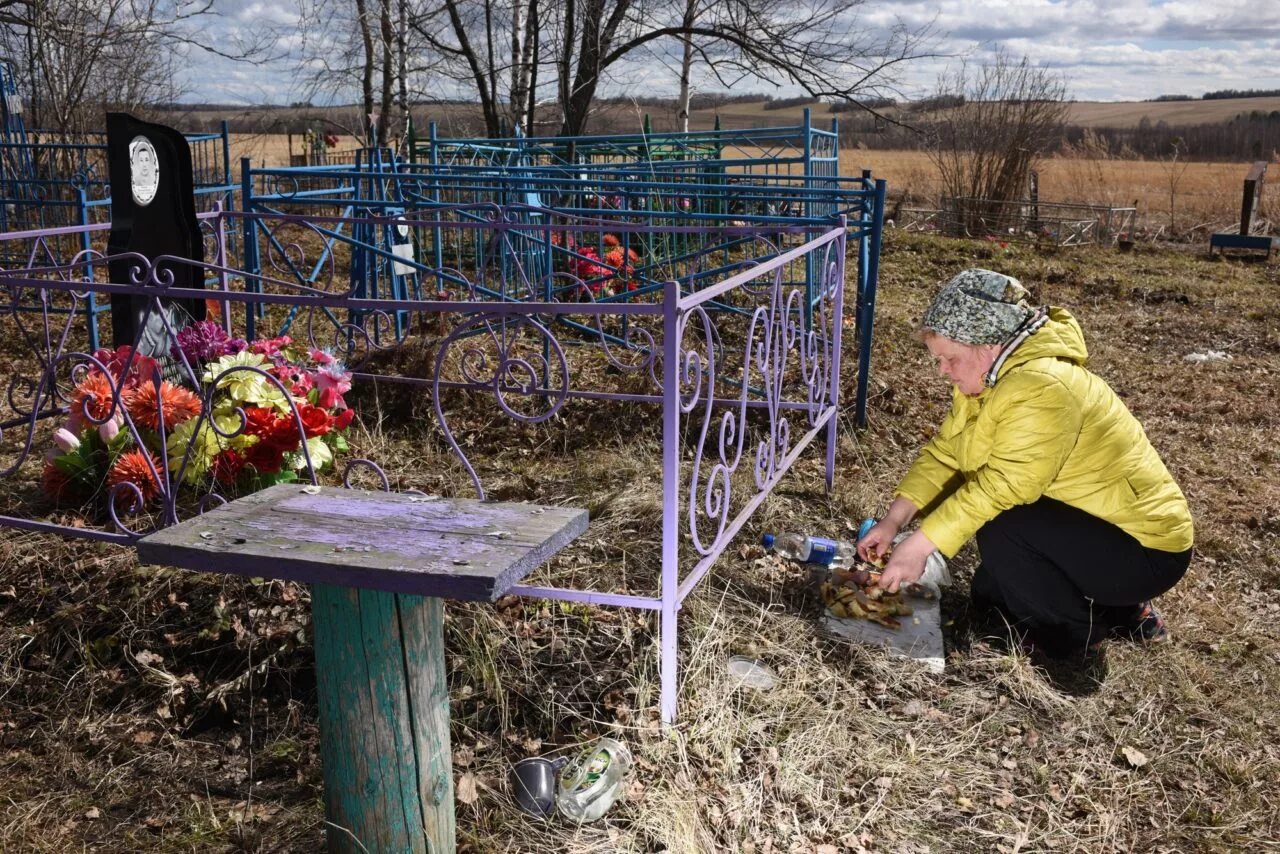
(906, 564)
(878, 540)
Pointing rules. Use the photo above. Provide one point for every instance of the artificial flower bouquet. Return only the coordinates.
(256, 414)
(612, 272)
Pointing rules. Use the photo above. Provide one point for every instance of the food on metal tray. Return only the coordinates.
(854, 594)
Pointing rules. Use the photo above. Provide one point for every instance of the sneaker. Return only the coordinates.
(1147, 626)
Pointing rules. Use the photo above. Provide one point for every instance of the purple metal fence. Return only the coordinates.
(136, 445)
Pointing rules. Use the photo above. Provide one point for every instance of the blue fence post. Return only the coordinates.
(91, 304)
(252, 283)
(436, 234)
(866, 323)
(863, 234)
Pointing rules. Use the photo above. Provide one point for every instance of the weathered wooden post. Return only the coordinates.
(1250, 206)
(384, 720)
(1251, 201)
(378, 564)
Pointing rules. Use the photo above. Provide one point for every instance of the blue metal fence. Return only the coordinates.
(693, 207)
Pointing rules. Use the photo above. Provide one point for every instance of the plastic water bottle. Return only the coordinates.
(834, 554)
(590, 784)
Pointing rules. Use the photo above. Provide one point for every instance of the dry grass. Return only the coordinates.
(1205, 196)
(465, 119)
(104, 747)
(272, 149)
(1084, 113)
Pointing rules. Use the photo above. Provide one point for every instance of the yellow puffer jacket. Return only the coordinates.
(1048, 427)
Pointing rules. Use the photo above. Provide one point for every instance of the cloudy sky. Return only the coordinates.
(1109, 50)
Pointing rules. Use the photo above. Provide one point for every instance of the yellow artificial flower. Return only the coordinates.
(320, 454)
(205, 444)
(243, 386)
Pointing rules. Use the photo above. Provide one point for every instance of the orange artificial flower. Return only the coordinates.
(177, 403)
(610, 240)
(93, 395)
(132, 467)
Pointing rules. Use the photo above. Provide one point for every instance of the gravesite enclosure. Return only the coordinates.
(407, 493)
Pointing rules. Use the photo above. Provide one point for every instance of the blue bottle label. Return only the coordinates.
(821, 551)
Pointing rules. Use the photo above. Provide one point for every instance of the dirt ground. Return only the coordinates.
(153, 709)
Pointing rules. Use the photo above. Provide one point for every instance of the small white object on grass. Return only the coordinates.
(1208, 356)
(751, 673)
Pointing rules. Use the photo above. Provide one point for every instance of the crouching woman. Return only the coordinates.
(1078, 522)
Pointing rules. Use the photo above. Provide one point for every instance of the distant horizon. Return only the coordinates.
(749, 97)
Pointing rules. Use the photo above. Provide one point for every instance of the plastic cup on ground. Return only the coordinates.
(533, 782)
(751, 673)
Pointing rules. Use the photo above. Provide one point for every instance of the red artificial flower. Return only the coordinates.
(294, 378)
(331, 382)
(270, 346)
(227, 466)
(143, 367)
(264, 457)
(315, 421)
(610, 240)
(277, 431)
(176, 403)
(54, 482)
(343, 419)
(132, 467)
(588, 267)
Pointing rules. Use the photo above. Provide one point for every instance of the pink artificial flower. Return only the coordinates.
(270, 346)
(295, 379)
(332, 381)
(109, 429)
(322, 357)
(66, 440)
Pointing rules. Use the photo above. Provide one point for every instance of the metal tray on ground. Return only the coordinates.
(919, 638)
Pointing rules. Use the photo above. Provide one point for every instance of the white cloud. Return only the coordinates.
(1107, 49)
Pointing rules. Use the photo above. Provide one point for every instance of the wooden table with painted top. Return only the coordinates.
(379, 565)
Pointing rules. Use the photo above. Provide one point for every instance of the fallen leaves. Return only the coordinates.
(466, 791)
(147, 658)
(1135, 757)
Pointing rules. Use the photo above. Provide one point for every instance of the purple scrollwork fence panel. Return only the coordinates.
(115, 443)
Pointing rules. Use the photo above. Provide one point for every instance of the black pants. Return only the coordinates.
(1066, 577)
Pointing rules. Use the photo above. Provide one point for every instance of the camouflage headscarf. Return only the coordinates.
(979, 307)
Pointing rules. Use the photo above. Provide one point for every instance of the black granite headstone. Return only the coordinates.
(153, 213)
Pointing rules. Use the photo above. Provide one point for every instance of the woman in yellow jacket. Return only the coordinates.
(1078, 522)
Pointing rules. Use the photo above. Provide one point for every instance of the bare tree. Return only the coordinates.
(683, 100)
(817, 46)
(493, 48)
(1174, 164)
(363, 46)
(81, 56)
(998, 120)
